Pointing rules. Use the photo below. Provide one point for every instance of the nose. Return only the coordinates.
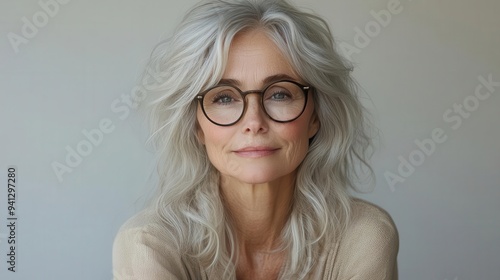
(254, 119)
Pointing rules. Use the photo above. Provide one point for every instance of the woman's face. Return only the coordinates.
(257, 149)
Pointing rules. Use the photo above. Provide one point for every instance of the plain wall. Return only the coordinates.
(415, 69)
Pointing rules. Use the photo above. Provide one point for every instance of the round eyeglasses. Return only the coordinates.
(283, 101)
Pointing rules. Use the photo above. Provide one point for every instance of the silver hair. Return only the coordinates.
(193, 59)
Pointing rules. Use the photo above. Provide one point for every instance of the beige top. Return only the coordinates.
(368, 250)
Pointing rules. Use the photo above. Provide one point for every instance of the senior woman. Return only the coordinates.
(258, 130)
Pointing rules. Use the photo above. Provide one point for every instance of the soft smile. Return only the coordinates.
(255, 152)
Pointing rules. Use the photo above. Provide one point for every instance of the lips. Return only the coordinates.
(255, 152)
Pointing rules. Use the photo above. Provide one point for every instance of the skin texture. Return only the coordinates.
(257, 158)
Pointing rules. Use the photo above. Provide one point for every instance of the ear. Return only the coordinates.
(313, 126)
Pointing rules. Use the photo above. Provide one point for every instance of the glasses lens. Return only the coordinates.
(284, 101)
(223, 105)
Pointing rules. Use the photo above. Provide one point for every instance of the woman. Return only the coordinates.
(258, 129)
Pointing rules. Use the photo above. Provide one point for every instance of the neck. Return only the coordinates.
(258, 211)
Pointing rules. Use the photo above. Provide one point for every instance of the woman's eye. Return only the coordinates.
(280, 96)
(223, 99)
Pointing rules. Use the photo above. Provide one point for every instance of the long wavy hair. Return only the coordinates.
(188, 200)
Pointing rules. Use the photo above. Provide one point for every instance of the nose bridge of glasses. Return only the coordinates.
(257, 98)
(246, 93)
(256, 103)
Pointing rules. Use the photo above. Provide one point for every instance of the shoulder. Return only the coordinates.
(368, 218)
(146, 221)
(370, 244)
(143, 228)
(370, 227)
(142, 249)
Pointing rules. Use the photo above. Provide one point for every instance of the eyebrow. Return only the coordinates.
(266, 81)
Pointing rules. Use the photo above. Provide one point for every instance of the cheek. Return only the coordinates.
(214, 140)
(214, 148)
(213, 137)
(298, 142)
(297, 134)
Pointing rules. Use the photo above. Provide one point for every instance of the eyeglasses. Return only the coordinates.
(283, 101)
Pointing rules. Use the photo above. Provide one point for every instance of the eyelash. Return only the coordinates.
(219, 96)
(284, 93)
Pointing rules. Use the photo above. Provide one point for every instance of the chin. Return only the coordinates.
(260, 176)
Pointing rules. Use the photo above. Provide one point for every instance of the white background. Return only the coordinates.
(80, 62)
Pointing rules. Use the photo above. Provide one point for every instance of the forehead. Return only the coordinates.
(253, 57)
